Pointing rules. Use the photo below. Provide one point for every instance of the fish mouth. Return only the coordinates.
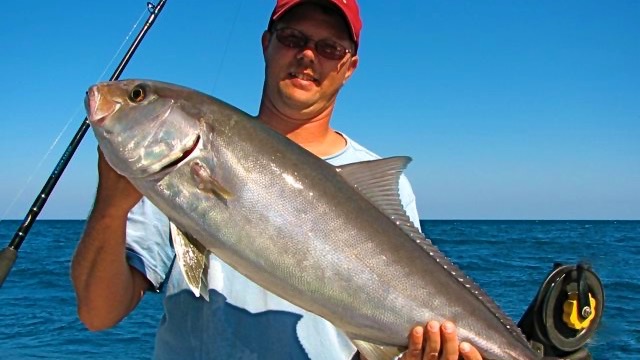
(98, 108)
(176, 158)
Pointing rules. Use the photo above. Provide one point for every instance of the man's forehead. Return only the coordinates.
(317, 14)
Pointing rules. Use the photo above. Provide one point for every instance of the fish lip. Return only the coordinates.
(98, 108)
(176, 158)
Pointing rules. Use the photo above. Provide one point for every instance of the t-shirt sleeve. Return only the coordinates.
(148, 245)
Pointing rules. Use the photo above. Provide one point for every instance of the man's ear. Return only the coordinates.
(351, 67)
(266, 39)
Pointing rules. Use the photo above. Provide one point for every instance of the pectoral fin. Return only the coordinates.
(193, 259)
(207, 182)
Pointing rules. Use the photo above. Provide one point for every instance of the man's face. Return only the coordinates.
(300, 82)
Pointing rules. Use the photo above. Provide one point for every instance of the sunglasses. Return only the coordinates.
(296, 39)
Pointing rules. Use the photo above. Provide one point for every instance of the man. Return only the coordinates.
(310, 51)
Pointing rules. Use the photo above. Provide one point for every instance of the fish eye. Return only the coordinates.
(137, 94)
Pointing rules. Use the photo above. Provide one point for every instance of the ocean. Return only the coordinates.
(509, 259)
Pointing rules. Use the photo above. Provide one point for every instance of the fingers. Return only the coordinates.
(450, 344)
(424, 343)
(414, 352)
(433, 341)
(115, 192)
(468, 352)
(452, 348)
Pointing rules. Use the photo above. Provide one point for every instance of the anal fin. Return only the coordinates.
(376, 352)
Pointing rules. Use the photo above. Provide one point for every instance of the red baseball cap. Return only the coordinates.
(349, 8)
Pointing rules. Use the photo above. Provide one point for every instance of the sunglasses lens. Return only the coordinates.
(330, 50)
(291, 38)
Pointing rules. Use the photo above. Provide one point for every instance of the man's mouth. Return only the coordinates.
(303, 76)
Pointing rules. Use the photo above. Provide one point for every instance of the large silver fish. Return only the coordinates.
(332, 240)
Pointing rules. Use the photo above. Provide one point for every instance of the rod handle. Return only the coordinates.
(7, 258)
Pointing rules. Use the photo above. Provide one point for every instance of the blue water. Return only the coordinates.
(508, 258)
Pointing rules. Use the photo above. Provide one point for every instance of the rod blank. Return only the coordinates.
(9, 254)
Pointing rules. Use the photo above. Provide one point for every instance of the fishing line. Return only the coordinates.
(126, 40)
(72, 118)
(39, 165)
(226, 48)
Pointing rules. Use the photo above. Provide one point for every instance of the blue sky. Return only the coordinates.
(509, 109)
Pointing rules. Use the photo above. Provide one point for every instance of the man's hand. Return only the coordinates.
(436, 341)
(115, 192)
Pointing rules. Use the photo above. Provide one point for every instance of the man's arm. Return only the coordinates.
(106, 287)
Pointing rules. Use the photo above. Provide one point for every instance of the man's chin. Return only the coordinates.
(299, 101)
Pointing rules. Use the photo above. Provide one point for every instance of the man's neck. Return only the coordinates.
(314, 134)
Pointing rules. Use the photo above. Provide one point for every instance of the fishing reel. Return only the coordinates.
(565, 313)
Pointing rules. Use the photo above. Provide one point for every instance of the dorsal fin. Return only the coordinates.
(378, 181)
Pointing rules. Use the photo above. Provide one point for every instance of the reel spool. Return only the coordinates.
(565, 313)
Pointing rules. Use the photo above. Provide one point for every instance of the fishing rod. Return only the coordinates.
(9, 254)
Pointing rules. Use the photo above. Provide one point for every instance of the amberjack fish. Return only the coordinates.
(335, 241)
